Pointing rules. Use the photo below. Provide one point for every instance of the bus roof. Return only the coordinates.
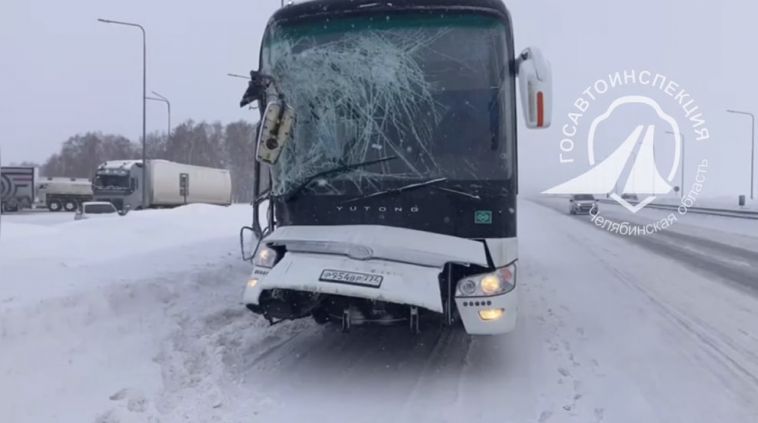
(316, 8)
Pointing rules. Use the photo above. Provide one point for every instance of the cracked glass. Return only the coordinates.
(433, 91)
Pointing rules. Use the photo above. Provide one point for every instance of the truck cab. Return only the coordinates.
(118, 182)
(386, 171)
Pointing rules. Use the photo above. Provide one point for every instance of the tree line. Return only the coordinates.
(228, 146)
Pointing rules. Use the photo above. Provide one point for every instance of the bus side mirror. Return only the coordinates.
(247, 242)
(536, 88)
(275, 131)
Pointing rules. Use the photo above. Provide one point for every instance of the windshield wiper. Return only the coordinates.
(463, 193)
(337, 170)
(398, 190)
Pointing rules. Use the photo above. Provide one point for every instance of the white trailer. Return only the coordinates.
(17, 187)
(168, 184)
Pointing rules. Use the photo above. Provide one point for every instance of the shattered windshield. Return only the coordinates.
(432, 90)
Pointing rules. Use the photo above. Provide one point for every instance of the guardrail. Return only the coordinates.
(741, 214)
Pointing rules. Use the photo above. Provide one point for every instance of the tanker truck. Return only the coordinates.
(58, 193)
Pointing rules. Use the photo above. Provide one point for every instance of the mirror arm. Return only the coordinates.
(520, 59)
(270, 216)
(256, 200)
(536, 56)
(257, 88)
(524, 56)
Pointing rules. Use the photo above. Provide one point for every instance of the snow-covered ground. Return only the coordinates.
(139, 320)
(39, 217)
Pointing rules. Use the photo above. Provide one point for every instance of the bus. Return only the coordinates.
(386, 170)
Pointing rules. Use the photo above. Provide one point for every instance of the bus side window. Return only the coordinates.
(133, 184)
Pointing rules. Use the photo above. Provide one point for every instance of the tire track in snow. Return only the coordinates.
(708, 336)
(709, 342)
(450, 352)
(717, 345)
(272, 349)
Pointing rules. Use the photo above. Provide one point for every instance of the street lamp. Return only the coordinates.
(752, 150)
(163, 99)
(236, 75)
(681, 162)
(144, 101)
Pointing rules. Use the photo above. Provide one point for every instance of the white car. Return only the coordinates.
(96, 209)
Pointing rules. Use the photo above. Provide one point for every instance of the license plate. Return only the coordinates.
(351, 278)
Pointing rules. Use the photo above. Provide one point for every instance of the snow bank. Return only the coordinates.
(33, 254)
(97, 240)
(87, 309)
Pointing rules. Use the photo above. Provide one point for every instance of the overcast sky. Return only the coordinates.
(64, 73)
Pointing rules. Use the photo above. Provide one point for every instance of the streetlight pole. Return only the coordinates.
(752, 150)
(144, 102)
(1, 193)
(236, 75)
(163, 99)
(681, 162)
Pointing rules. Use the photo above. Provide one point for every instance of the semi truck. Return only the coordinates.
(17, 188)
(167, 184)
(59, 193)
(389, 132)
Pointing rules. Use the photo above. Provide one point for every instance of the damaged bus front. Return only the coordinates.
(386, 171)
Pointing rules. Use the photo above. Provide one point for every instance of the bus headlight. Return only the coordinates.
(491, 285)
(265, 257)
(499, 282)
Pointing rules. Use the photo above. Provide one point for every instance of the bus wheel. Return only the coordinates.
(69, 205)
(54, 205)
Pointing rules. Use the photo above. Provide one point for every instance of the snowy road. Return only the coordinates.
(721, 247)
(610, 331)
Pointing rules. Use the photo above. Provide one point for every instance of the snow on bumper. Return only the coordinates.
(400, 283)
